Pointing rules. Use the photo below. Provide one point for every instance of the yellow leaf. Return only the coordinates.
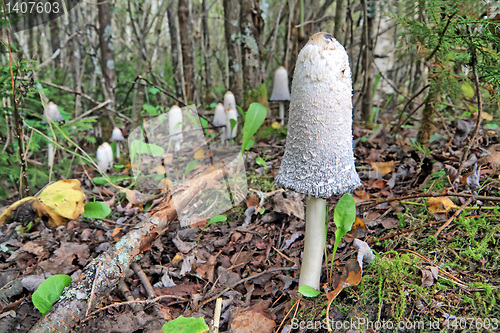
(467, 90)
(486, 116)
(440, 205)
(20, 211)
(383, 167)
(61, 201)
(199, 154)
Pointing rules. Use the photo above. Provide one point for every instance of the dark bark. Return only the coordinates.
(55, 40)
(367, 101)
(340, 21)
(232, 34)
(427, 124)
(207, 48)
(186, 36)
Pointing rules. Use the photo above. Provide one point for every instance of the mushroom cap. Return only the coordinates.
(231, 114)
(104, 156)
(175, 123)
(51, 112)
(219, 115)
(117, 135)
(229, 101)
(280, 85)
(318, 159)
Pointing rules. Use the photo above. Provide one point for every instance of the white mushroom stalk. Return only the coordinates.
(220, 119)
(318, 159)
(175, 126)
(231, 132)
(281, 93)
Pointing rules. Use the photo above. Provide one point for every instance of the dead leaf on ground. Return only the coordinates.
(440, 205)
(56, 204)
(289, 203)
(429, 275)
(253, 320)
(383, 167)
(65, 258)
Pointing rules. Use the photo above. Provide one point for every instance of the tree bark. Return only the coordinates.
(427, 123)
(232, 34)
(175, 48)
(207, 48)
(55, 40)
(367, 101)
(252, 29)
(340, 16)
(107, 57)
(186, 36)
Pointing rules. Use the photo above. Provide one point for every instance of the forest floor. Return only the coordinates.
(418, 281)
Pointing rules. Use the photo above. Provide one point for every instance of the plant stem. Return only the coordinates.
(282, 113)
(310, 271)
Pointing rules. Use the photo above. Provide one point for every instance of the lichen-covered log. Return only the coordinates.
(103, 274)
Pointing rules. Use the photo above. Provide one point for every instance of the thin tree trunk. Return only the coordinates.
(175, 48)
(427, 123)
(106, 41)
(340, 21)
(206, 46)
(232, 34)
(55, 40)
(252, 28)
(367, 101)
(186, 35)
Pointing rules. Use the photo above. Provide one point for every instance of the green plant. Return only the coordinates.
(185, 325)
(344, 217)
(96, 210)
(49, 291)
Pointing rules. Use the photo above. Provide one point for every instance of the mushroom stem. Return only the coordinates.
(282, 113)
(314, 244)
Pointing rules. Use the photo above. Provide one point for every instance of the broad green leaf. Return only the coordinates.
(467, 90)
(96, 210)
(49, 291)
(309, 291)
(254, 118)
(185, 325)
(114, 179)
(260, 161)
(215, 219)
(154, 90)
(190, 166)
(250, 144)
(140, 147)
(344, 216)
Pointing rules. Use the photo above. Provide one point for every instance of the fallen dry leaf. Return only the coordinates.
(289, 203)
(65, 258)
(383, 167)
(440, 205)
(253, 320)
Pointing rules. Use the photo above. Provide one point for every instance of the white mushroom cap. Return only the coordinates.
(231, 114)
(219, 115)
(229, 101)
(318, 158)
(280, 85)
(104, 156)
(117, 135)
(51, 112)
(175, 123)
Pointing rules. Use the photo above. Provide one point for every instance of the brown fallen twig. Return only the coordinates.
(399, 233)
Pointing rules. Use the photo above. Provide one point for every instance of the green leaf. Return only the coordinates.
(139, 147)
(344, 216)
(96, 210)
(467, 90)
(250, 144)
(49, 291)
(215, 219)
(309, 291)
(185, 325)
(114, 179)
(260, 161)
(190, 166)
(254, 118)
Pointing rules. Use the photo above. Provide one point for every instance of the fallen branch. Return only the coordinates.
(447, 223)
(103, 273)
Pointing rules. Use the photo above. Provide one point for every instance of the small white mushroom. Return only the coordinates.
(117, 136)
(231, 132)
(175, 126)
(229, 101)
(51, 112)
(281, 92)
(220, 119)
(104, 156)
(318, 159)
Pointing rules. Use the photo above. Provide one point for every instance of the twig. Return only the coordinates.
(100, 106)
(122, 286)
(430, 195)
(144, 279)
(429, 57)
(92, 292)
(294, 267)
(146, 301)
(447, 223)
(217, 311)
(403, 232)
(479, 110)
(71, 91)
